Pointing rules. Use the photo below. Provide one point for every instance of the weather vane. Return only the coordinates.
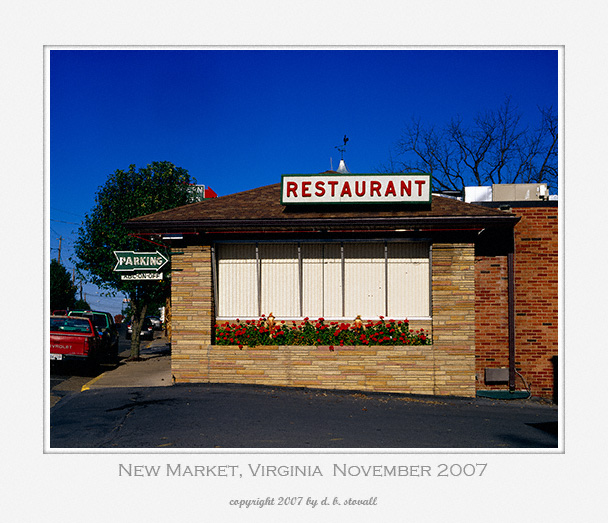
(342, 148)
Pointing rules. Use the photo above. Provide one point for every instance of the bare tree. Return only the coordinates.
(495, 148)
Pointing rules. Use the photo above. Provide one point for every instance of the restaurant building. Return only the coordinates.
(479, 278)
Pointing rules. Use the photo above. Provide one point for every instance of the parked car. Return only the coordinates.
(147, 330)
(75, 338)
(104, 324)
(158, 325)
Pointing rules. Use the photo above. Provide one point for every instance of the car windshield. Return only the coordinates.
(79, 325)
(99, 320)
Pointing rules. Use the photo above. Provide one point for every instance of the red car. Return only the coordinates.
(74, 338)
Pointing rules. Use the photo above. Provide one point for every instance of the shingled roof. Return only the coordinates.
(261, 207)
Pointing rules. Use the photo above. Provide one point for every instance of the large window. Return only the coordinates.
(330, 280)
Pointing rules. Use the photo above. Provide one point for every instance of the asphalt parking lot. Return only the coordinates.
(136, 405)
(237, 416)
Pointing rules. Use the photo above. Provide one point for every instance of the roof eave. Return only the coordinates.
(323, 223)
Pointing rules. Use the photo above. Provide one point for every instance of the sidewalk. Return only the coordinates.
(153, 371)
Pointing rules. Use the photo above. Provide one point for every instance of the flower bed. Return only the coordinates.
(266, 331)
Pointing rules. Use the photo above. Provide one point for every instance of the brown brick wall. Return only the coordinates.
(536, 296)
(536, 303)
(491, 313)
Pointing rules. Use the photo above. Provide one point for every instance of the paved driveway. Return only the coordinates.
(239, 416)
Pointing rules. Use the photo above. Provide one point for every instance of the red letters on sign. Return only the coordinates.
(374, 187)
(305, 187)
(420, 184)
(292, 189)
(362, 192)
(333, 184)
(320, 186)
(346, 190)
(357, 189)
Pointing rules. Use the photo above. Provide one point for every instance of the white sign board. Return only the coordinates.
(355, 188)
(142, 276)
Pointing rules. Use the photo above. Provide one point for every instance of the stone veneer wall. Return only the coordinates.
(453, 297)
(397, 369)
(192, 313)
(445, 368)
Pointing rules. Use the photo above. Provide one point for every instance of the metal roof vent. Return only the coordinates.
(342, 169)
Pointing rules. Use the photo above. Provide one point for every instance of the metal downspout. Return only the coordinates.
(214, 287)
(511, 318)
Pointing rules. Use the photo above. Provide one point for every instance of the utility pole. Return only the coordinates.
(59, 253)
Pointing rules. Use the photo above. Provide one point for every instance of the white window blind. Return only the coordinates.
(331, 280)
(280, 279)
(364, 281)
(238, 281)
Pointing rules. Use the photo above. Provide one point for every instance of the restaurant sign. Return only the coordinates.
(355, 188)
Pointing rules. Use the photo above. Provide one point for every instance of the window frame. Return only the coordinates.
(299, 243)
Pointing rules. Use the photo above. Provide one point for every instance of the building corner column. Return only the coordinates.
(453, 312)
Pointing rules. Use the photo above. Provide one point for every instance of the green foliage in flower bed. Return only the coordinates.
(319, 332)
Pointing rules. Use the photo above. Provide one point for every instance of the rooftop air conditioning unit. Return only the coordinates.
(515, 192)
(477, 194)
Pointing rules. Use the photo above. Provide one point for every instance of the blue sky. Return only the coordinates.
(238, 119)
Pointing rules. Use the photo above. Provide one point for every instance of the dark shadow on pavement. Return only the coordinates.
(550, 427)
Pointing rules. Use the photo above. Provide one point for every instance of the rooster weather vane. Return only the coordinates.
(342, 148)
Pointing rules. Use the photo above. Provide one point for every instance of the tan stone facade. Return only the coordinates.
(192, 314)
(447, 367)
(453, 299)
(397, 369)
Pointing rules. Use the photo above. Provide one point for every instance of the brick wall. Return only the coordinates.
(536, 296)
(491, 313)
(536, 303)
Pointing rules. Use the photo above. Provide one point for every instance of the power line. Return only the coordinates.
(66, 212)
(61, 221)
